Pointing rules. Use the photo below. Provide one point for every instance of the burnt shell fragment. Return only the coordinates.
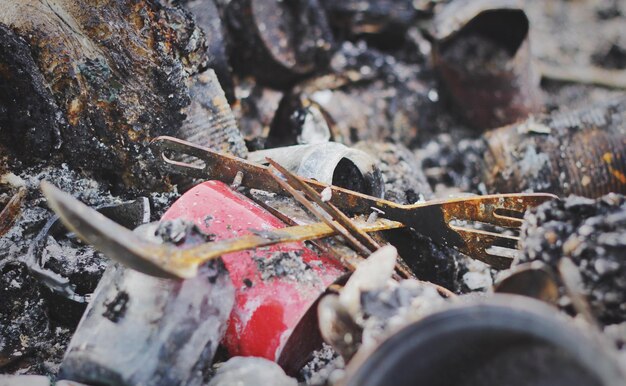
(581, 152)
(592, 233)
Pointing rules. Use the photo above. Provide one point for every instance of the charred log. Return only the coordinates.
(94, 83)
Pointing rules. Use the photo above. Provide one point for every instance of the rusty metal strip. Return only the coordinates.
(11, 211)
(311, 208)
(354, 231)
(332, 210)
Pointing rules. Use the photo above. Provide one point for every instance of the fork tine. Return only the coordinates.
(477, 243)
(485, 208)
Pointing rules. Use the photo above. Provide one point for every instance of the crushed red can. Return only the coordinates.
(275, 285)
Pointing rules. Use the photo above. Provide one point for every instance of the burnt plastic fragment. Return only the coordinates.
(429, 261)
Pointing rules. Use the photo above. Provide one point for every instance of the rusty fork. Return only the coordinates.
(166, 260)
(481, 227)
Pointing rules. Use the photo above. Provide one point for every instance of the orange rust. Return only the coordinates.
(74, 109)
(619, 175)
(608, 158)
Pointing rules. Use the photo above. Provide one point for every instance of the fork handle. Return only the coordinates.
(224, 167)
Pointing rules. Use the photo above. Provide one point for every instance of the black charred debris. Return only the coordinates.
(432, 100)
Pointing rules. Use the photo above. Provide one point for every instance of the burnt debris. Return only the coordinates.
(316, 192)
(580, 152)
(100, 82)
(592, 233)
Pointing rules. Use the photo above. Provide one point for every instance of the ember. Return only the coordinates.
(315, 192)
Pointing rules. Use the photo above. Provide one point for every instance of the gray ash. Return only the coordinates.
(593, 234)
(387, 309)
(160, 202)
(319, 371)
(30, 341)
(450, 162)
(56, 286)
(285, 264)
(181, 231)
(80, 263)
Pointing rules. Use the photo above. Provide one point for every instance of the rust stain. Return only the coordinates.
(74, 110)
(608, 158)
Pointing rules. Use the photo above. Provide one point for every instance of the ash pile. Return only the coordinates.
(312, 192)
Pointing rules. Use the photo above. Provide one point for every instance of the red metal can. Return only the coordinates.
(275, 285)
